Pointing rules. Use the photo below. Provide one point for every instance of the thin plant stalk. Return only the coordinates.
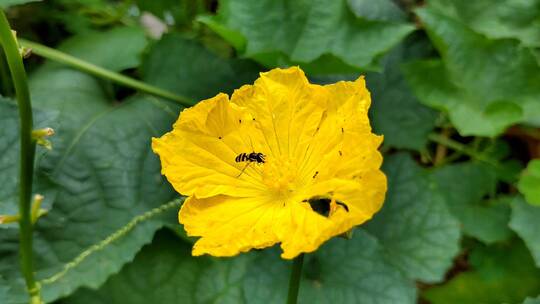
(294, 281)
(26, 159)
(100, 72)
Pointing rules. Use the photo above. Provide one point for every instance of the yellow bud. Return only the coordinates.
(36, 211)
(40, 136)
(45, 132)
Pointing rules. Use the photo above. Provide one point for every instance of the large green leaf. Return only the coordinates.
(119, 49)
(177, 12)
(342, 271)
(395, 111)
(384, 10)
(4, 290)
(532, 300)
(104, 171)
(485, 85)
(164, 272)
(322, 36)
(464, 187)
(8, 3)
(105, 175)
(519, 19)
(9, 155)
(529, 182)
(418, 233)
(526, 223)
(498, 274)
(195, 71)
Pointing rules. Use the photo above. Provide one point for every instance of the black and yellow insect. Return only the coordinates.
(252, 157)
(249, 158)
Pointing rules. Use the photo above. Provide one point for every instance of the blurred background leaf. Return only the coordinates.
(8, 3)
(465, 187)
(499, 274)
(519, 19)
(9, 154)
(526, 222)
(317, 35)
(484, 85)
(529, 183)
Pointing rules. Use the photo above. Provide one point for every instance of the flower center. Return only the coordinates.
(280, 176)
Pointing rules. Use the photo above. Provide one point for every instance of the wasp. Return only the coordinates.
(249, 158)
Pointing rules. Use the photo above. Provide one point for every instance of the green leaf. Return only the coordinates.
(481, 95)
(4, 290)
(117, 49)
(519, 19)
(165, 272)
(464, 187)
(383, 10)
(8, 3)
(235, 38)
(418, 233)
(186, 67)
(104, 172)
(9, 155)
(102, 166)
(328, 277)
(182, 12)
(525, 222)
(318, 35)
(395, 111)
(499, 274)
(529, 182)
(532, 300)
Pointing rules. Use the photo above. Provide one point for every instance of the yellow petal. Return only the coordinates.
(304, 230)
(286, 108)
(198, 155)
(229, 225)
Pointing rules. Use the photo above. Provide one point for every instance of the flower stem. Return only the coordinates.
(98, 71)
(27, 151)
(294, 281)
(457, 146)
(441, 150)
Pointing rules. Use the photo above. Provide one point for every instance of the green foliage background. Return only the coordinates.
(456, 93)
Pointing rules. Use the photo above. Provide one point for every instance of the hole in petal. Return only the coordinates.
(323, 205)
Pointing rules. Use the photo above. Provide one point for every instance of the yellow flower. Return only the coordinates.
(318, 174)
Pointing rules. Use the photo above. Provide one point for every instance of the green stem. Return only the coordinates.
(441, 150)
(97, 71)
(27, 151)
(294, 281)
(457, 146)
